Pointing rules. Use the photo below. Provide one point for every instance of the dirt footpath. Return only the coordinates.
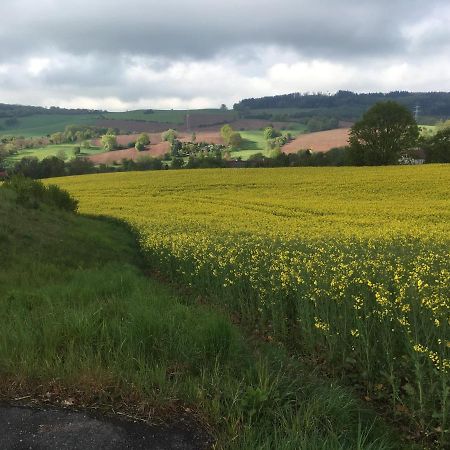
(38, 429)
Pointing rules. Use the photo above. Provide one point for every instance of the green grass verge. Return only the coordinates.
(77, 308)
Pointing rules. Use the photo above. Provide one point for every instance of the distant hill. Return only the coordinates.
(311, 112)
(344, 104)
(15, 111)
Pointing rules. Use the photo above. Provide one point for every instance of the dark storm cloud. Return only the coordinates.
(125, 54)
(203, 28)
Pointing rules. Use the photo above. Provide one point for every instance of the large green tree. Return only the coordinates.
(170, 135)
(437, 147)
(226, 131)
(385, 132)
(142, 141)
(235, 140)
(271, 133)
(109, 142)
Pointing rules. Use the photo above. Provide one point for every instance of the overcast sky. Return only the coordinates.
(131, 54)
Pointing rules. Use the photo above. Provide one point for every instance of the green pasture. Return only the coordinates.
(45, 124)
(254, 142)
(53, 150)
(246, 154)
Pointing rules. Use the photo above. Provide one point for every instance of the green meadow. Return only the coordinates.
(45, 124)
(253, 142)
(60, 150)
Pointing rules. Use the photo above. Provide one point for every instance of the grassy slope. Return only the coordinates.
(254, 142)
(42, 125)
(45, 124)
(78, 314)
(177, 117)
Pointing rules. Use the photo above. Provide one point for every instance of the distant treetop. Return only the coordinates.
(23, 111)
(431, 103)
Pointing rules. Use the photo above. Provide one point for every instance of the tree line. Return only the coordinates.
(7, 110)
(54, 166)
(431, 103)
(386, 134)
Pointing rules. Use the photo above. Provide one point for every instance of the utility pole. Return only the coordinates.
(416, 112)
(188, 126)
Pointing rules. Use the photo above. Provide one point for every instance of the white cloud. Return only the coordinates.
(35, 66)
(314, 75)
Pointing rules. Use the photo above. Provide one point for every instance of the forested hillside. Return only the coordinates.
(14, 111)
(429, 103)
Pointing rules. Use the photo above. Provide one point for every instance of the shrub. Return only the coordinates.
(109, 142)
(169, 135)
(139, 146)
(144, 139)
(177, 163)
(271, 133)
(60, 198)
(437, 147)
(31, 193)
(148, 163)
(62, 155)
(235, 139)
(226, 131)
(80, 166)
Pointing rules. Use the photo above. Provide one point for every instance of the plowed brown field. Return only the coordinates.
(321, 141)
(156, 148)
(212, 125)
(134, 126)
(210, 137)
(130, 153)
(124, 139)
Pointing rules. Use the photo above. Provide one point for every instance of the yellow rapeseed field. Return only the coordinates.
(349, 262)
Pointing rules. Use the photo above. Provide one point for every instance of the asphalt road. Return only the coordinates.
(50, 428)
